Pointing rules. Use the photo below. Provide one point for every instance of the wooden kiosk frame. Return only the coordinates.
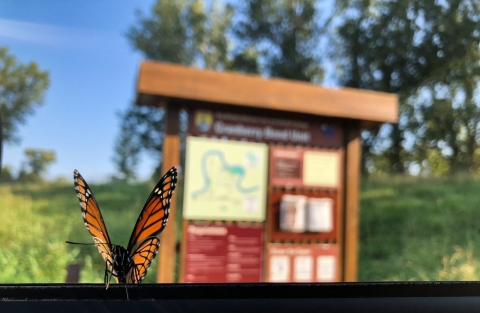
(175, 87)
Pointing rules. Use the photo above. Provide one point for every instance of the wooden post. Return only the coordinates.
(73, 273)
(171, 157)
(352, 180)
(183, 251)
(341, 215)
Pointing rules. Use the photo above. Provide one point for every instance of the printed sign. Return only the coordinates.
(292, 213)
(302, 167)
(219, 254)
(225, 180)
(320, 215)
(302, 263)
(321, 168)
(239, 126)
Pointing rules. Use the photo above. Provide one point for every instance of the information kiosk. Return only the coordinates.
(271, 175)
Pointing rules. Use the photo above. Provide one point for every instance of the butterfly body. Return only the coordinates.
(121, 263)
(129, 265)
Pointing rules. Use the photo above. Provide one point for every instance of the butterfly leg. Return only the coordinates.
(125, 270)
(126, 290)
(107, 277)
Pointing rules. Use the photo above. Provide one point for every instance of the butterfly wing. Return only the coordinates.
(93, 218)
(154, 215)
(142, 258)
(143, 244)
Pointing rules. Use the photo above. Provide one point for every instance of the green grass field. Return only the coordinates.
(36, 220)
(411, 229)
(420, 229)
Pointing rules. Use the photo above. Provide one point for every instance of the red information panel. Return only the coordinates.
(219, 254)
(302, 263)
(286, 166)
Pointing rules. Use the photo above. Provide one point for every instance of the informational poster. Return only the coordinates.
(302, 263)
(225, 180)
(286, 166)
(265, 128)
(319, 214)
(304, 167)
(321, 168)
(218, 254)
(317, 220)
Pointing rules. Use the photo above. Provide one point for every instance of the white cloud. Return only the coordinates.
(54, 36)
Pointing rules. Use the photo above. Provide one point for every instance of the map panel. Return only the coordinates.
(225, 180)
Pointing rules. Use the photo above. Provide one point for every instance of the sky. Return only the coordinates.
(93, 71)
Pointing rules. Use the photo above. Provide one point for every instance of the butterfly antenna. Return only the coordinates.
(80, 243)
(87, 244)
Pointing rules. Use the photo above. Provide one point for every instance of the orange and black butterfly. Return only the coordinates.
(129, 265)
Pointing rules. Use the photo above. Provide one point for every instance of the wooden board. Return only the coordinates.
(159, 80)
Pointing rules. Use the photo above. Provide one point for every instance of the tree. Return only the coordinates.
(427, 53)
(285, 36)
(36, 165)
(182, 32)
(22, 88)
(7, 176)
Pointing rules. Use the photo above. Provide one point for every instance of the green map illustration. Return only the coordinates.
(225, 180)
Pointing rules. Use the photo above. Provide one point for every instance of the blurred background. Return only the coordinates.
(67, 85)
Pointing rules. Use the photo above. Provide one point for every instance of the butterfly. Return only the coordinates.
(129, 265)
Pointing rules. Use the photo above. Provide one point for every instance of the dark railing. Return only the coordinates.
(231, 298)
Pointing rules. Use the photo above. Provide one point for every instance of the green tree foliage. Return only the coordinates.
(6, 174)
(427, 53)
(22, 88)
(141, 129)
(286, 35)
(184, 32)
(437, 164)
(36, 165)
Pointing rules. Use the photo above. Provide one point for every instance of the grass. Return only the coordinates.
(411, 229)
(36, 220)
(420, 229)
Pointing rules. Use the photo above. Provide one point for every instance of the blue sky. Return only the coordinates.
(92, 70)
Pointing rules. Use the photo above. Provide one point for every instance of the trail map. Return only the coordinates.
(225, 180)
